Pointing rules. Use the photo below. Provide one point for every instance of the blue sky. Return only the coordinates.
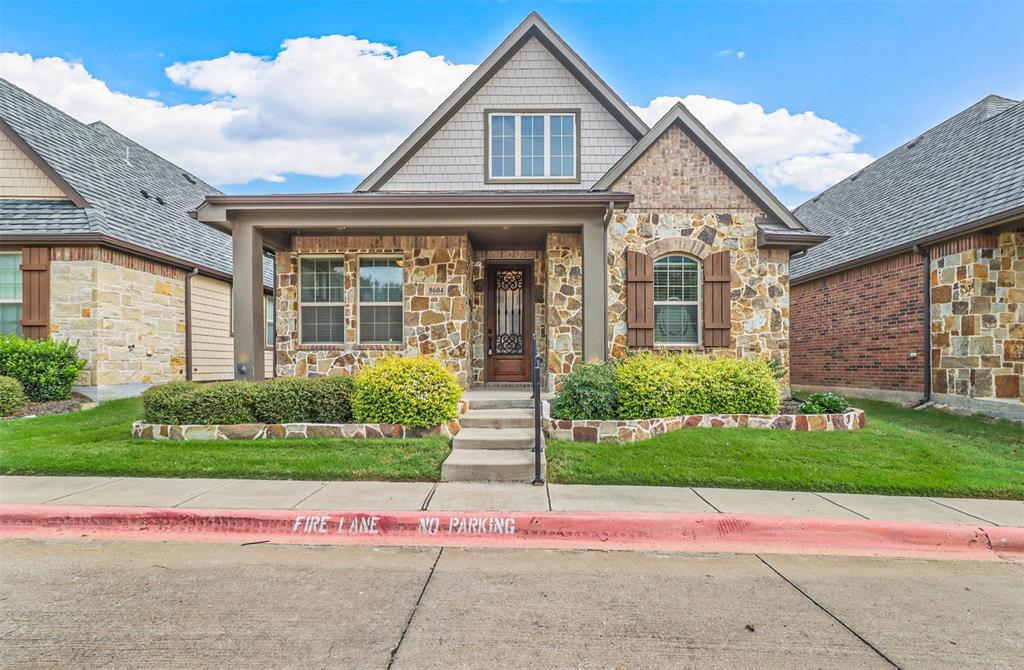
(882, 72)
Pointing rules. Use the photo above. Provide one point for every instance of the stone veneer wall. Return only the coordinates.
(480, 257)
(564, 255)
(126, 313)
(977, 291)
(434, 325)
(684, 201)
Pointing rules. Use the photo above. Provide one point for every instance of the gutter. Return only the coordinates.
(376, 199)
(188, 323)
(927, 259)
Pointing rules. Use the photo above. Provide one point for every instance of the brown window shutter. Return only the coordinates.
(717, 301)
(35, 292)
(639, 300)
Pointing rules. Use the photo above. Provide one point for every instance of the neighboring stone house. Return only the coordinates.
(97, 246)
(931, 233)
(533, 203)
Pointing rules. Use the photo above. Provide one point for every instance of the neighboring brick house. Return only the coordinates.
(97, 246)
(931, 233)
(532, 203)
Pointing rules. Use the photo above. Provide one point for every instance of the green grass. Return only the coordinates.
(906, 452)
(98, 442)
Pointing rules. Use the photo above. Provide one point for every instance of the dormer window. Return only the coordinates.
(537, 147)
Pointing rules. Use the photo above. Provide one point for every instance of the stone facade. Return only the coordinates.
(435, 325)
(684, 203)
(564, 255)
(634, 430)
(127, 315)
(977, 291)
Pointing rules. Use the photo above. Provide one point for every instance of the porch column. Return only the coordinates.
(595, 308)
(247, 301)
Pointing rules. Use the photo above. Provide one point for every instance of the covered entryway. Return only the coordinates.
(509, 321)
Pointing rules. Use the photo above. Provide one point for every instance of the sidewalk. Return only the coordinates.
(458, 496)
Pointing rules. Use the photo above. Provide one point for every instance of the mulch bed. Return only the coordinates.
(72, 404)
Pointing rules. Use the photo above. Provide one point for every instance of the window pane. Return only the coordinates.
(675, 279)
(563, 146)
(675, 324)
(503, 146)
(380, 324)
(380, 280)
(322, 280)
(10, 316)
(323, 324)
(10, 276)
(531, 142)
(268, 315)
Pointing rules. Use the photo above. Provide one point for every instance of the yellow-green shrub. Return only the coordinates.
(12, 396)
(659, 385)
(413, 391)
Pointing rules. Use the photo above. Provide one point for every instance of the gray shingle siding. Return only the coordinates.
(967, 168)
(453, 158)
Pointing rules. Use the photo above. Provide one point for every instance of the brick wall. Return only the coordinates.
(863, 328)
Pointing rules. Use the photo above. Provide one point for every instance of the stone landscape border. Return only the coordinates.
(273, 431)
(634, 430)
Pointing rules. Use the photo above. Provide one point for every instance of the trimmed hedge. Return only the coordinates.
(588, 392)
(648, 386)
(12, 396)
(416, 392)
(281, 400)
(46, 369)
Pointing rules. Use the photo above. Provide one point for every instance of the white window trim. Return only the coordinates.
(359, 301)
(319, 304)
(699, 302)
(546, 178)
(19, 300)
(269, 319)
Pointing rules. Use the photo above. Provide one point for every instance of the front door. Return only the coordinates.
(509, 306)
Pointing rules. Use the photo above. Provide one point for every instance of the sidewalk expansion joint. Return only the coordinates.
(91, 488)
(706, 501)
(824, 609)
(991, 523)
(309, 495)
(202, 493)
(430, 496)
(416, 606)
(841, 506)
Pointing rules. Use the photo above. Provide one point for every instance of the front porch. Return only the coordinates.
(471, 280)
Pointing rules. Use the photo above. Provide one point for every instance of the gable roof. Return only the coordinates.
(967, 172)
(532, 26)
(711, 146)
(105, 174)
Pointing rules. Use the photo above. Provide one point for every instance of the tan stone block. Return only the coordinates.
(162, 288)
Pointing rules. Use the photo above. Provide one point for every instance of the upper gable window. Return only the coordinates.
(532, 146)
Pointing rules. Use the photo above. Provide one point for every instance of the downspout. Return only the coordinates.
(188, 323)
(609, 213)
(926, 258)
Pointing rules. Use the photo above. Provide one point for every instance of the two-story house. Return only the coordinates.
(533, 203)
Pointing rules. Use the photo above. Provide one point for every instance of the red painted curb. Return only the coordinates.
(736, 533)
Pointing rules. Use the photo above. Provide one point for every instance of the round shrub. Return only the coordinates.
(220, 403)
(588, 392)
(331, 399)
(283, 400)
(161, 404)
(660, 385)
(12, 396)
(824, 403)
(46, 369)
(416, 392)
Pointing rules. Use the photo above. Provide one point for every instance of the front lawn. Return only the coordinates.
(908, 452)
(98, 442)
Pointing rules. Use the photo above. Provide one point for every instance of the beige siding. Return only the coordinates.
(212, 343)
(453, 159)
(21, 178)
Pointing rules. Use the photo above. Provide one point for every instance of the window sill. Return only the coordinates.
(532, 180)
(377, 346)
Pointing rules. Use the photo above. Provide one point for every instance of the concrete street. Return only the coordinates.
(150, 605)
(462, 496)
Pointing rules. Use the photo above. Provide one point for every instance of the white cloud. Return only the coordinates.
(333, 105)
(729, 52)
(801, 150)
(321, 106)
(741, 54)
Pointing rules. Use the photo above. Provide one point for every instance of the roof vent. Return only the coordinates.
(914, 142)
(160, 200)
(816, 198)
(854, 177)
(144, 192)
(189, 178)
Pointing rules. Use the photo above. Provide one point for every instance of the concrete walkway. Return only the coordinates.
(467, 496)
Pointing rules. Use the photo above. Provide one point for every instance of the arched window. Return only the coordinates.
(676, 300)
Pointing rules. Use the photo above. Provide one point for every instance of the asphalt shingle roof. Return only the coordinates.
(111, 172)
(968, 167)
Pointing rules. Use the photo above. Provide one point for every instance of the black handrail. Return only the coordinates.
(538, 453)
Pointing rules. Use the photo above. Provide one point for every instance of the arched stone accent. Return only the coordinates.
(677, 245)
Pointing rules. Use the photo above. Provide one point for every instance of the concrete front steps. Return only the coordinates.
(495, 442)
